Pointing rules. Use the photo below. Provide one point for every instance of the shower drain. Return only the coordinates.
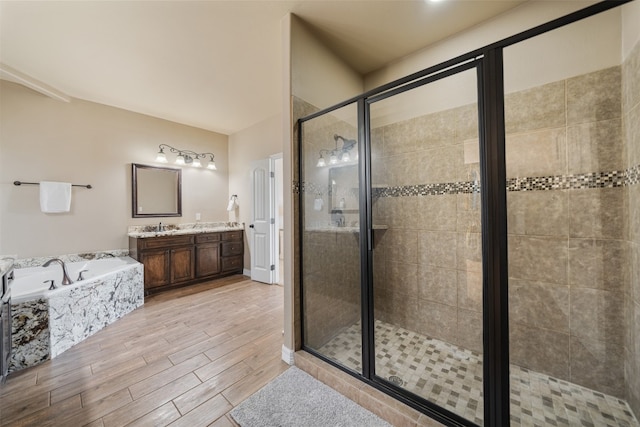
(396, 380)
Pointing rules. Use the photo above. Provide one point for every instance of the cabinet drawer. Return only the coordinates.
(163, 242)
(231, 248)
(232, 235)
(209, 237)
(232, 263)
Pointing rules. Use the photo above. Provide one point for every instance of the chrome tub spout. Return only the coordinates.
(65, 276)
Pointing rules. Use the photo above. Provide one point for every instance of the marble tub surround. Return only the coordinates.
(46, 327)
(30, 334)
(86, 256)
(84, 310)
(6, 263)
(186, 228)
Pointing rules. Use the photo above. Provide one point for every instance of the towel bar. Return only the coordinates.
(37, 183)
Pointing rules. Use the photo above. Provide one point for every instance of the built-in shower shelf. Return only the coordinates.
(333, 229)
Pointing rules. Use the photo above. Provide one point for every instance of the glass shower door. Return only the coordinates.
(427, 257)
(331, 289)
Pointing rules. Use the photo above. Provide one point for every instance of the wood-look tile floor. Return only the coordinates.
(186, 358)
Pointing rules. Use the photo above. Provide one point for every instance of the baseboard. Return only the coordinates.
(246, 272)
(287, 355)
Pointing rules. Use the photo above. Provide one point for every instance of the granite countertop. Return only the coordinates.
(146, 231)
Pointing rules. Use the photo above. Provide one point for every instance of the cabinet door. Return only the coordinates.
(207, 259)
(156, 268)
(182, 263)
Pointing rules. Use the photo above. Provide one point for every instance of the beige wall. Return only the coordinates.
(318, 75)
(526, 16)
(630, 29)
(258, 142)
(86, 143)
(573, 50)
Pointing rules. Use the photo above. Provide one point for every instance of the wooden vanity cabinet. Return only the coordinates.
(168, 260)
(179, 260)
(232, 252)
(207, 254)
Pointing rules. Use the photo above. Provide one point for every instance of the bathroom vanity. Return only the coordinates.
(183, 258)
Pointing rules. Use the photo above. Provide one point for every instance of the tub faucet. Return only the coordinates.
(65, 276)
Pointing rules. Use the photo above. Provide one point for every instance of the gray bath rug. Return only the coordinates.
(297, 399)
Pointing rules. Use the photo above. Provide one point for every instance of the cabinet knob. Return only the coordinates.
(251, 226)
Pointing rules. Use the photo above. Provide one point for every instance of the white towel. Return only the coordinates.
(232, 203)
(55, 196)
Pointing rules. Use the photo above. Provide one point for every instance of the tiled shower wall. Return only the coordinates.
(631, 136)
(331, 284)
(568, 251)
(428, 271)
(574, 235)
(568, 259)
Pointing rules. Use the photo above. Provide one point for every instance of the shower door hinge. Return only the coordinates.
(273, 220)
(273, 267)
(272, 174)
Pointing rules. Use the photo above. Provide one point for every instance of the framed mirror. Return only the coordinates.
(343, 189)
(156, 191)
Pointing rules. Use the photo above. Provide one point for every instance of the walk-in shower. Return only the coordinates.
(481, 241)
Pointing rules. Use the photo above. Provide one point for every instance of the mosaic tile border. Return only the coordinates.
(610, 179)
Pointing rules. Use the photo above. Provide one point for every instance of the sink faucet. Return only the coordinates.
(65, 276)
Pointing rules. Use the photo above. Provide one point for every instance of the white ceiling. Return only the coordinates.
(211, 64)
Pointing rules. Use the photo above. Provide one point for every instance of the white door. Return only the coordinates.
(262, 264)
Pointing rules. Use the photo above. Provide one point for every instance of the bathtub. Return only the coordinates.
(45, 323)
(31, 283)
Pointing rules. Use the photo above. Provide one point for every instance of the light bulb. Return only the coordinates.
(196, 163)
(161, 157)
(333, 159)
(212, 165)
(321, 163)
(346, 157)
(180, 159)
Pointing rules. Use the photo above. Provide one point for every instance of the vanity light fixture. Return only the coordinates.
(338, 154)
(185, 157)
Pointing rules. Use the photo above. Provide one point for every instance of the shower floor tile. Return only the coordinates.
(451, 376)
